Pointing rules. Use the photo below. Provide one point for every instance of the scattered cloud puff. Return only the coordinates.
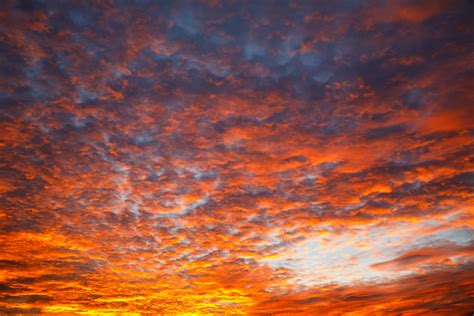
(220, 157)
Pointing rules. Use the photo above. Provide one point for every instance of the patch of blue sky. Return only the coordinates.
(186, 19)
(252, 50)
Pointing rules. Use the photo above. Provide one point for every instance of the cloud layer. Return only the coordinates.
(244, 157)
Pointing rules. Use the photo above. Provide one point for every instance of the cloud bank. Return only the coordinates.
(236, 157)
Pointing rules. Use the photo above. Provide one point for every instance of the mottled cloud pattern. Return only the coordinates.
(237, 157)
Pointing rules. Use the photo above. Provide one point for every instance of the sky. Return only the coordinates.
(237, 157)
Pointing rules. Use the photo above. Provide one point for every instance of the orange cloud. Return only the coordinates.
(236, 158)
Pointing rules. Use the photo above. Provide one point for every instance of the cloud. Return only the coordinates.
(426, 256)
(289, 157)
